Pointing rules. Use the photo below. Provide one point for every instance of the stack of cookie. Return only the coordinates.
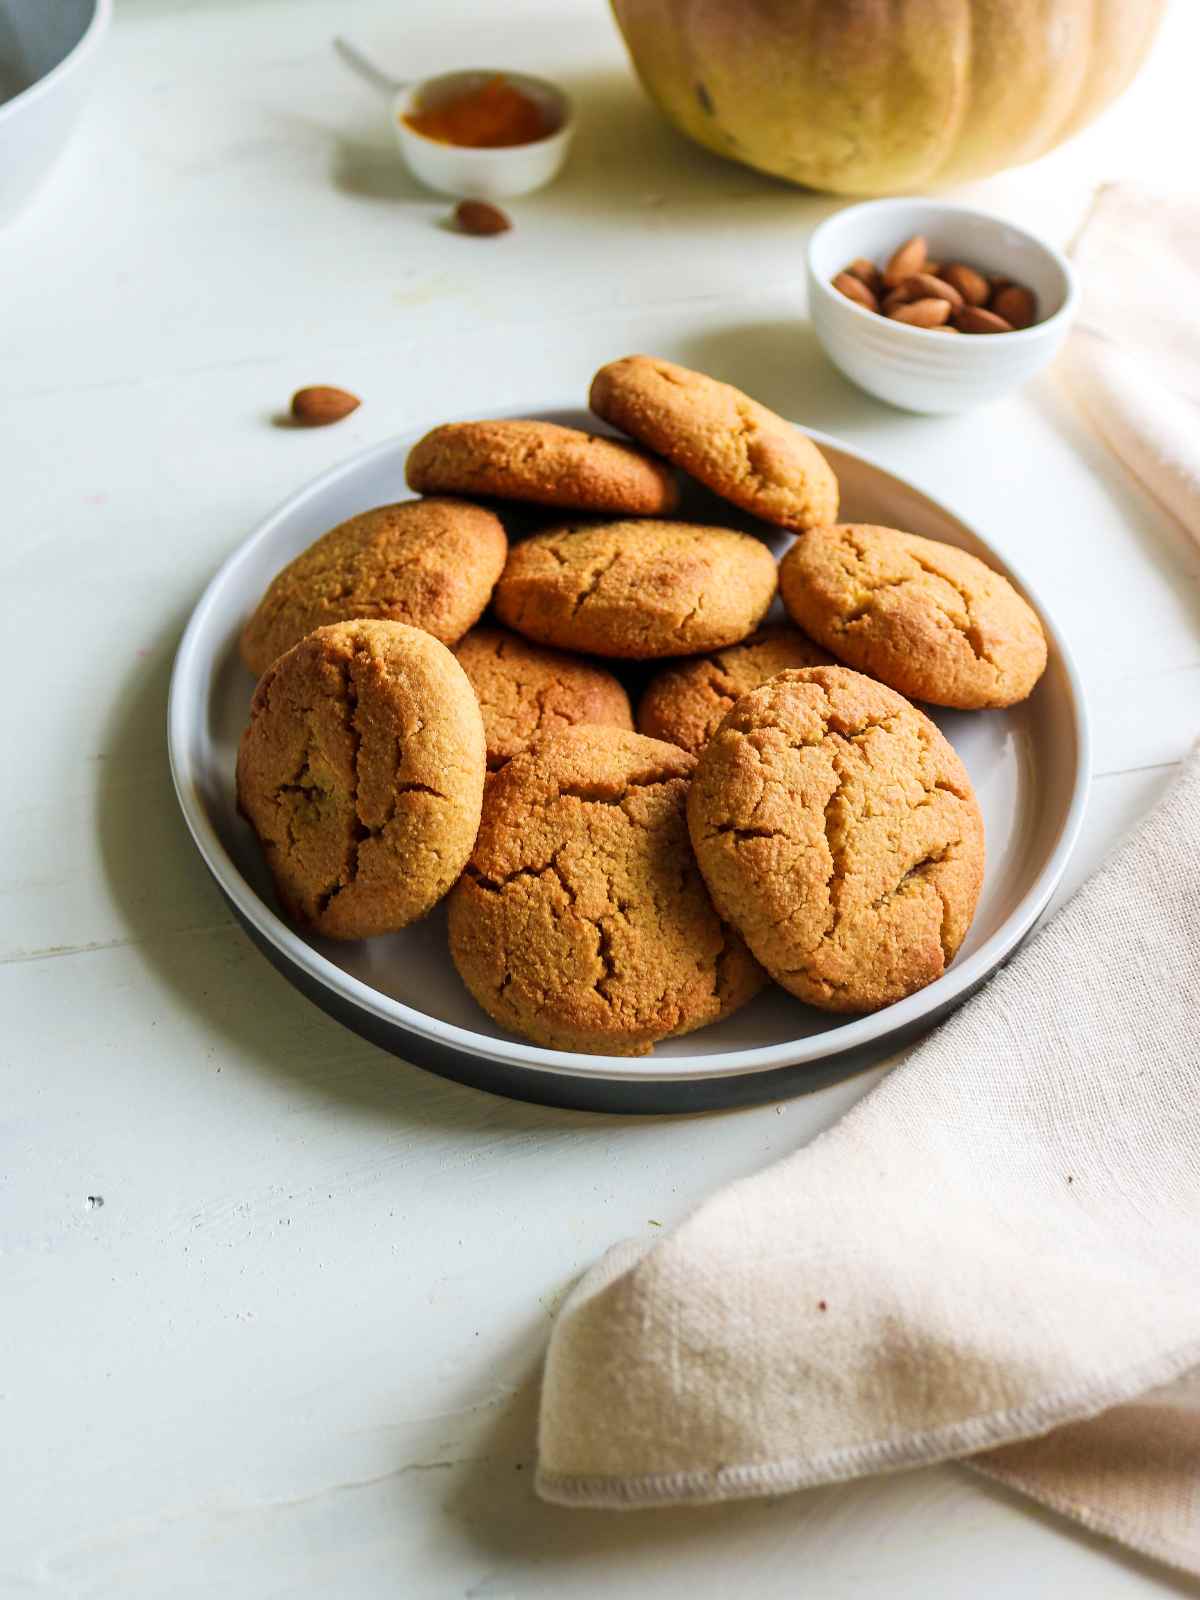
(784, 812)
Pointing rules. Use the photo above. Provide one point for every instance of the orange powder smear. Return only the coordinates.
(489, 118)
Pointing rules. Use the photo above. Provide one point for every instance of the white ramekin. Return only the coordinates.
(472, 174)
(915, 368)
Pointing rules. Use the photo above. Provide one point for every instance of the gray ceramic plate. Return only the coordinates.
(1029, 766)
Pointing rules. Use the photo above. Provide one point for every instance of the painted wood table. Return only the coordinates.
(274, 1302)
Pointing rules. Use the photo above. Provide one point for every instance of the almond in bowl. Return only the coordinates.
(922, 298)
(888, 279)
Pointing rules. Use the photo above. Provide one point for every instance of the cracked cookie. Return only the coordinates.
(526, 690)
(544, 463)
(686, 701)
(361, 772)
(925, 618)
(837, 830)
(582, 921)
(738, 448)
(637, 590)
(429, 563)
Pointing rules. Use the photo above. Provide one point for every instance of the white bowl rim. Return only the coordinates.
(876, 1027)
(904, 330)
(405, 95)
(88, 40)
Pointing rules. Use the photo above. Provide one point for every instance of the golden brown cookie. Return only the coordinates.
(735, 446)
(581, 921)
(526, 690)
(637, 590)
(687, 700)
(931, 621)
(545, 463)
(430, 563)
(362, 774)
(837, 830)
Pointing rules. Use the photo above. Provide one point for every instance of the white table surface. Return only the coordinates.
(294, 1351)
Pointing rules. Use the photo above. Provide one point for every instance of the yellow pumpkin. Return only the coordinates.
(875, 96)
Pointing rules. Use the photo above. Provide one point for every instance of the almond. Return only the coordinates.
(1016, 304)
(929, 313)
(868, 273)
(320, 404)
(910, 258)
(904, 292)
(481, 218)
(852, 286)
(974, 319)
(924, 286)
(972, 285)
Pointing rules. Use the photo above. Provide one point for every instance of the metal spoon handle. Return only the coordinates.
(366, 69)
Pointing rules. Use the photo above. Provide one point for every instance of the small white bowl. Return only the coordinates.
(490, 174)
(915, 368)
(48, 55)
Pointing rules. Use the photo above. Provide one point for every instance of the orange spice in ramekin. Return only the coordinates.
(493, 117)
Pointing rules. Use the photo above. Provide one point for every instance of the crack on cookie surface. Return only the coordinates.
(929, 619)
(525, 690)
(863, 779)
(593, 582)
(607, 936)
(358, 830)
(971, 632)
(334, 761)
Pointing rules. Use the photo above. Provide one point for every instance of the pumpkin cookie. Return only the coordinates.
(526, 690)
(685, 703)
(637, 590)
(542, 462)
(931, 621)
(581, 921)
(362, 774)
(738, 448)
(430, 563)
(837, 830)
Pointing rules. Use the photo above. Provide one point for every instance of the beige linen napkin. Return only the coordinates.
(996, 1255)
(1003, 1238)
(1133, 363)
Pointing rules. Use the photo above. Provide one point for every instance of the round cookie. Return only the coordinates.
(542, 462)
(687, 700)
(526, 690)
(582, 921)
(735, 446)
(361, 772)
(637, 590)
(430, 563)
(837, 830)
(931, 621)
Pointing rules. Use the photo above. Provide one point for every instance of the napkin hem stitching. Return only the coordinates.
(966, 1438)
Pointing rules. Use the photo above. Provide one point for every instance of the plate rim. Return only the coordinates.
(873, 1028)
